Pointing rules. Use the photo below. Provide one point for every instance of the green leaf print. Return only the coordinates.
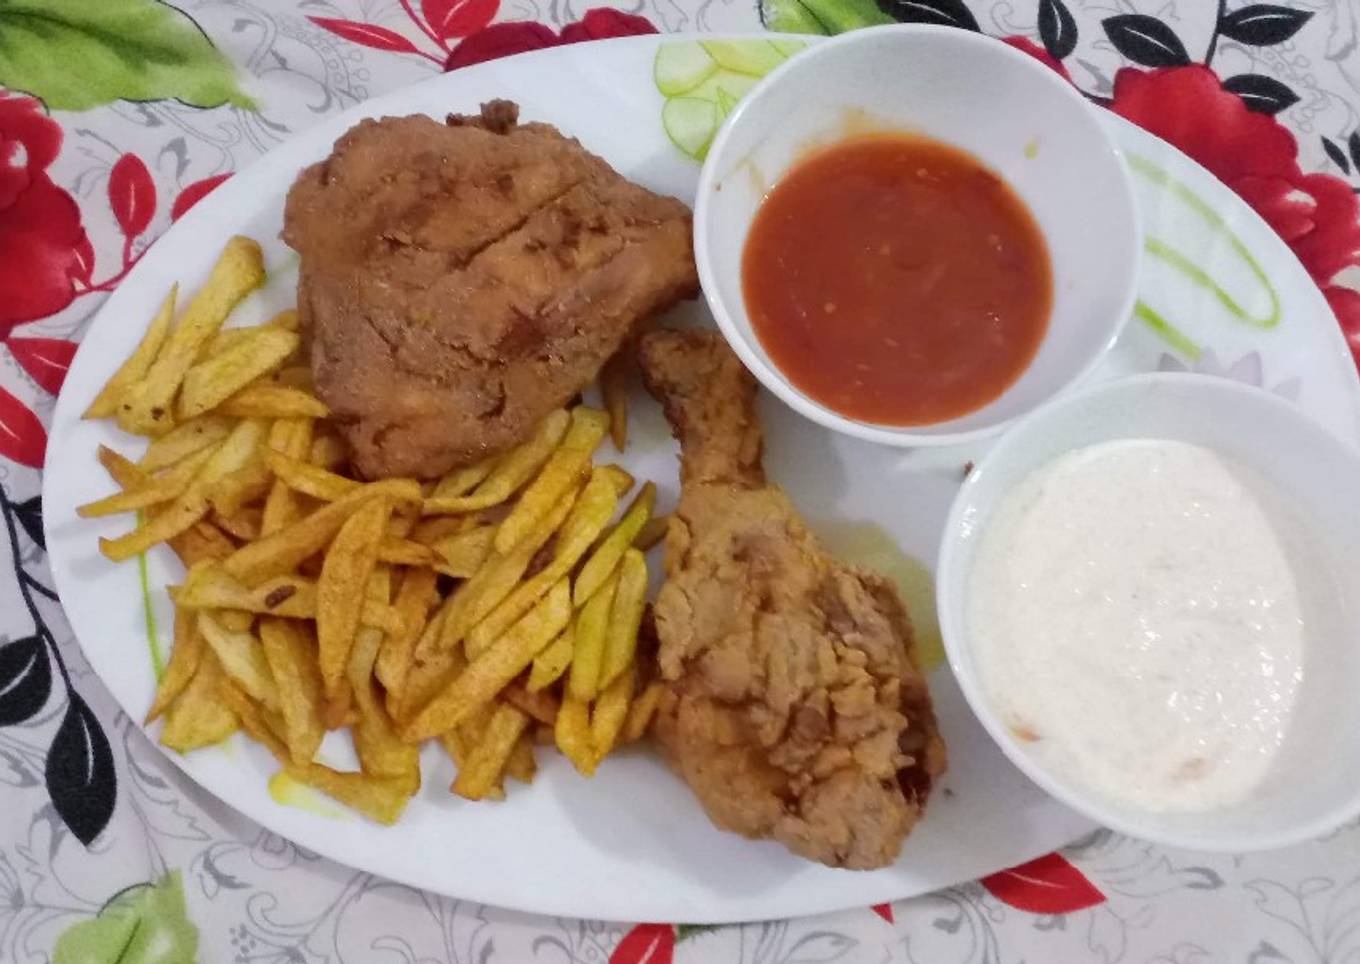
(78, 54)
(821, 16)
(145, 924)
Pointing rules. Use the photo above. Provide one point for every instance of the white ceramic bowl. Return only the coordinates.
(1002, 106)
(1314, 785)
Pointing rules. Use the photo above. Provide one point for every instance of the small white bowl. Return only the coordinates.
(1314, 784)
(1000, 105)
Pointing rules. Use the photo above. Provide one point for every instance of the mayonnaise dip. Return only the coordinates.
(1137, 624)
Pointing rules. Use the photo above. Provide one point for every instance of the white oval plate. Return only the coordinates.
(632, 843)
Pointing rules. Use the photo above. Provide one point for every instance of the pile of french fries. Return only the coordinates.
(491, 610)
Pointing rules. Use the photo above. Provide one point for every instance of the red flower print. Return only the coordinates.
(194, 193)
(1038, 53)
(45, 359)
(646, 944)
(519, 36)
(604, 22)
(41, 238)
(1317, 215)
(1345, 305)
(1048, 885)
(22, 436)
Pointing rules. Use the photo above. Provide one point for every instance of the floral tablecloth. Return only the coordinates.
(117, 115)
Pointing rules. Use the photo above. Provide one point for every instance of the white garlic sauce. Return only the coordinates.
(1138, 625)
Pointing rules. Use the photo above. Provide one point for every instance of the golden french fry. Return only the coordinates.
(549, 665)
(328, 452)
(184, 440)
(200, 717)
(263, 400)
(438, 528)
(480, 594)
(588, 517)
(254, 719)
(379, 750)
(310, 480)
(559, 475)
(338, 710)
(641, 713)
(652, 532)
(201, 541)
(250, 483)
(431, 669)
(625, 616)
(571, 732)
(623, 479)
(292, 437)
(210, 586)
(192, 504)
(379, 798)
(341, 589)
(514, 469)
(286, 320)
(135, 367)
(146, 406)
(614, 378)
(290, 651)
(592, 626)
(462, 554)
(295, 376)
(488, 759)
(236, 620)
(185, 656)
(611, 712)
(462, 481)
(243, 524)
(606, 557)
(404, 552)
(483, 678)
(125, 472)
(170, 484)
(242, 658)
(213, 381)
(414, 598)
(540, 706)
(283, 551)
(521, 764)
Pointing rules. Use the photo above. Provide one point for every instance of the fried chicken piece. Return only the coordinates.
(795, 704)
(461, 280)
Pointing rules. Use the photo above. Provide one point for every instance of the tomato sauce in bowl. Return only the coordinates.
(897, 280)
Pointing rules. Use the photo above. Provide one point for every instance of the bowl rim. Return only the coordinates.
(951, 594)
(906, 436)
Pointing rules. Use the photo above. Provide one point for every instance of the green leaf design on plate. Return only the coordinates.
(145, 924)
(703, 80)
(78, 54)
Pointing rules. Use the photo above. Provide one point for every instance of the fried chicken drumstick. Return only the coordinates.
(795, 707)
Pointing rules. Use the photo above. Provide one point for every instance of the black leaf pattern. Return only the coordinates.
(1057, 29)
(1145, 40)
(1263, 24)
(1353, 142)
(25, 679)
(80, 777)
(29, 514)
(1337, 155)
(1263, 94)
(946, 13)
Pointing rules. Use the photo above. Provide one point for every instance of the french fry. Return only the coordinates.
(611, 712)
(283, 551)
(540, 706)
(184, 440)
(381, 799)
(404, 552)
(437, 528)
(559, 475)
(146, 406)
(614, 391)
(652, 532)
(242, 658)
(462, 554)
(480, 594)
(254, 719)
(243, 524)
(341, 589)
(605, 558)
(521, 765)
(308, 479)
(192, 504)
(328, 452)
(380, 752)
(262, 400)
(488, 759)
(153, 491)
(623, 479)
(431, 669)
(641, 713)
(211, 382)
(106, 403)
(295, 376)
(625, 617)
(551, 663)
(514, 469)
(462, 481)
(210, 586)
(291, 437)
(250, 483)
(286, 320)
(571, 732)
(125, 472)
(199, 717)
(589, 515)
(589, 632)
(290, 650)
(483, 678)
(185, 657)
(236, 620)
(200, 542)
(415, 596)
